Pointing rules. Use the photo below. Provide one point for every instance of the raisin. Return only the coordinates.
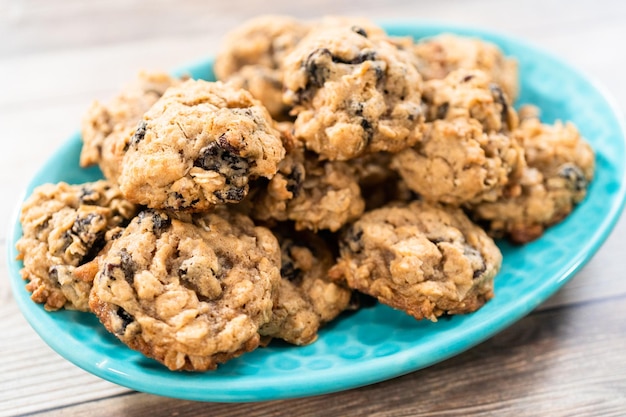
(380, 74)
(359, 30)
(294, 180)
(499, 97)
(442, 111)
(88, 196)
(53, 273)
(437, 240)
(368, 129)
(317, 68)
(289, 272)
(160, 221)
(288, 269)
(96, 246)
(226, 145)
(139, 134)
(574, 177)
(82, 225)
(229, 165)
(357, 108)
(353, 237)
(125, 317)
(317, 72)
(213, 157)
(127, 265)
(359, 59)
(474, 253)
(67, 239)
(479, 272)
(232, 194)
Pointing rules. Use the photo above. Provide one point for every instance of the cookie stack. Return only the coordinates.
(330, 161)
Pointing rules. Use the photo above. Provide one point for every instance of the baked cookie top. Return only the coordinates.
(470, 94)
(199, 146)
(458, 163)
(352, 94)
(360, 25)
(314, 194)
(439, 55)
(107, 128)
(560, 166)
(422, 258)
(252, 55)
(264, 40)
(189, 294)
(64, 228)
(307, 298)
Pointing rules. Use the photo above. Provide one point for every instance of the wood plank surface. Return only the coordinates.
(567, 358)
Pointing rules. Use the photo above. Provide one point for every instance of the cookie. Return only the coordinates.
(252, 55)
(199, 146)
(64, 227)
(314, 194)
(422, 258)
(439, 55)
(189, 294)
(107, 128)
(307, 298)
(470, 94)
(352, 94)
(458, 163)
(560, 166)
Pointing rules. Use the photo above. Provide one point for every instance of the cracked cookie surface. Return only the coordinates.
(199, 146)
(107, 128)
(422, 258)
(352, 94)
(189, 294)
(64, 229)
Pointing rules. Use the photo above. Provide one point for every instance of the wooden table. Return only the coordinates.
(566, 358)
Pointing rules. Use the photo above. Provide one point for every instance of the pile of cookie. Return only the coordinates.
(331, 162)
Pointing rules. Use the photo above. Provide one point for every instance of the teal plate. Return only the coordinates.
(377, 343)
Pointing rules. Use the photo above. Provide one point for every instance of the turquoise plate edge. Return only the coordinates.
(377, 343)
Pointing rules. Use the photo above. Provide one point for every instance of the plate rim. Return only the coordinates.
(301, 386)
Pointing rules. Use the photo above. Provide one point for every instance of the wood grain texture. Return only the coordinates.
(566, 358)
(539, 366)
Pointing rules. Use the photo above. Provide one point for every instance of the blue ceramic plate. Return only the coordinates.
(376, 343)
